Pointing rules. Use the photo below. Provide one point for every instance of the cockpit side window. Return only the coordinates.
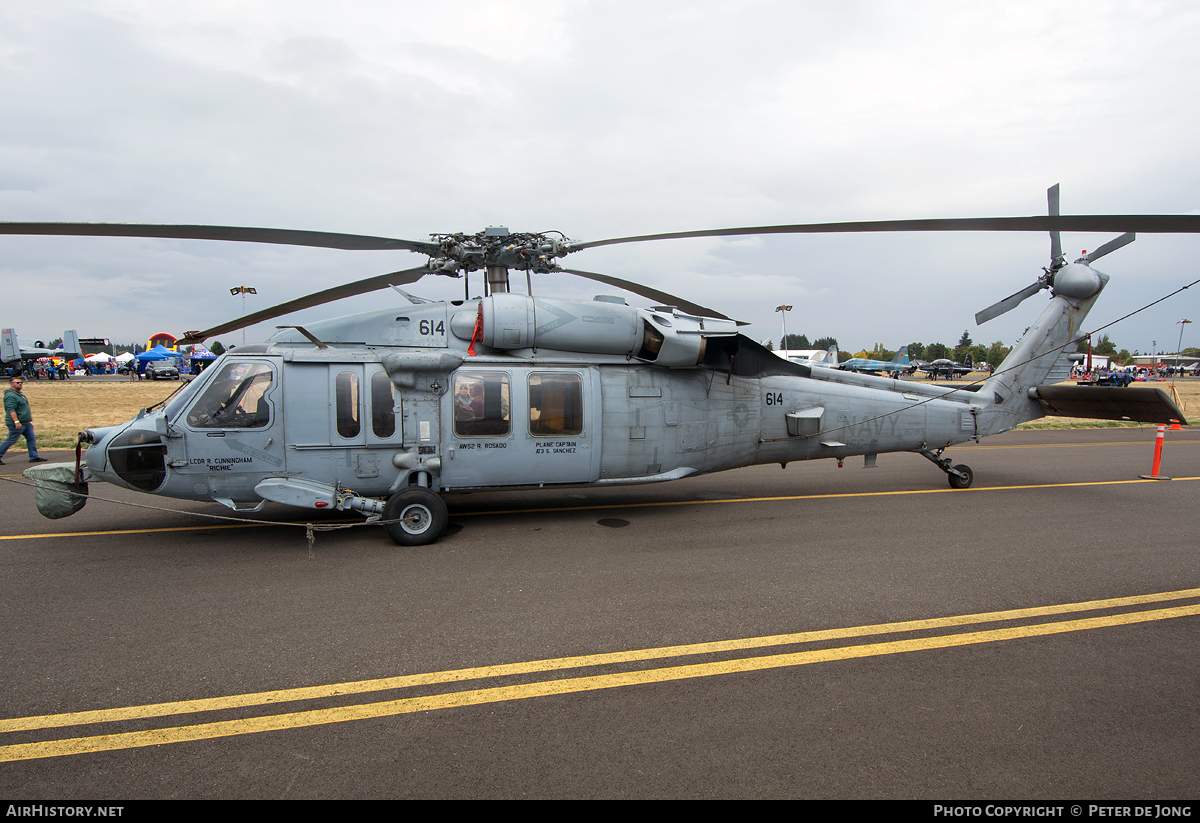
(235, 399)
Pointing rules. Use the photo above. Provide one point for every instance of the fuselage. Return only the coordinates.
(376, 416)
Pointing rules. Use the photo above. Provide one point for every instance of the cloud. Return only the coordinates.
(599, 120)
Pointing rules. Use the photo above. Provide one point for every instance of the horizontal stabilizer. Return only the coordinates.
(1142, 404)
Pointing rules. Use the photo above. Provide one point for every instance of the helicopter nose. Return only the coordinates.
(94, 458)
(137, 455)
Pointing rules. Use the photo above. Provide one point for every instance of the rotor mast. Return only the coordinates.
(497, 279)
(497, 274)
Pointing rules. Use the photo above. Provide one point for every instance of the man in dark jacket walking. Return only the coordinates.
(19, 419)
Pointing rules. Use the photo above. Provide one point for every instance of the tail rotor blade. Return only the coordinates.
(1056, 256)
(1057, 261)
(1112, 245)
(1009, 303)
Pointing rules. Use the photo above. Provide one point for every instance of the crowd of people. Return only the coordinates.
(47, 368)
(1161, 372)
(43, 369)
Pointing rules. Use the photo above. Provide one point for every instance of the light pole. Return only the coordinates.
(784, 310)
(1179, 347)
(243, 291)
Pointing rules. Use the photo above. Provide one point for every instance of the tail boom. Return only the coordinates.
(1005, 398)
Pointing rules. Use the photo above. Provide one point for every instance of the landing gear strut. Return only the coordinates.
(960, 476)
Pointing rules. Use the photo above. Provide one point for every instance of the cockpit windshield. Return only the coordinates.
(174, 405)
(235, 399)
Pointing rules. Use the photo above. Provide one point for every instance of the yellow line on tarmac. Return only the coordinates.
(129, 531)
(614, 505)
(968, 446)
(581, 661)
(809, 497)
(559, 663)
(294, 720)
(177, 528)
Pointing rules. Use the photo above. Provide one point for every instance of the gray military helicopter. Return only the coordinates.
(383, 412)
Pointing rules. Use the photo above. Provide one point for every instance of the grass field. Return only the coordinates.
(61, 409)
(1188, 398)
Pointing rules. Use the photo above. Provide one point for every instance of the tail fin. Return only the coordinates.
(901, 358)
(1004, 397)
(70, 344)
(9, 348)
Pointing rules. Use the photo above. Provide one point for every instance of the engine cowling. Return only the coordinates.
(664, 336)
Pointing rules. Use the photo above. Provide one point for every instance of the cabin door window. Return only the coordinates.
(346, 404)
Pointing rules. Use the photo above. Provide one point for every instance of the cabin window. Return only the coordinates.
(383, 413)
(481, 404)
(235, 399)
(555, 404)
(345, 389)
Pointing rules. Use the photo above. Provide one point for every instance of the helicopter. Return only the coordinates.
(386, 411)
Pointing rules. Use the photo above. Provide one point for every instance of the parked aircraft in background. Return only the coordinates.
(947, 368)
(898, 363)
(814, 357)
(13, 348)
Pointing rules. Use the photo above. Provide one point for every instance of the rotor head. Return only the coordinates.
(495, 246)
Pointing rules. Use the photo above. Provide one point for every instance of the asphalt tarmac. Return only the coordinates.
(812, 632)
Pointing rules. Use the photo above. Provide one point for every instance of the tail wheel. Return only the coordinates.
(957, 482)
(420, 516)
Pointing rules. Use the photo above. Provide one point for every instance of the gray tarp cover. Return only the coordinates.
(53, 481)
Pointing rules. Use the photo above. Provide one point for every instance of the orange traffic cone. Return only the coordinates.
(1158, 446)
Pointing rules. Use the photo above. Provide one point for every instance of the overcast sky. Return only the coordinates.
(598, 119)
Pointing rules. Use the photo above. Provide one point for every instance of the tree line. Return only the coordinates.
(993, 355)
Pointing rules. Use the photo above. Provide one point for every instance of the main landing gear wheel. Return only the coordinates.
(420, 515)
(960, 476)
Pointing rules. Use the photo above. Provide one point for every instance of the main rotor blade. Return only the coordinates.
(240, 234)
(1112, 245)
(1009, 303)
(653, 294)
(1149, 223)
(382, 281)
